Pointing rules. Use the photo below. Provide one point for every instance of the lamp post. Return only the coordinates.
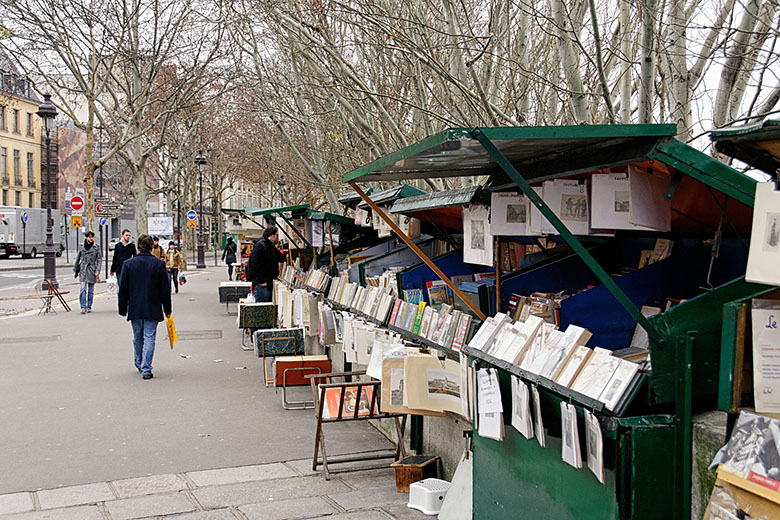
(200, 161)
(47, 112)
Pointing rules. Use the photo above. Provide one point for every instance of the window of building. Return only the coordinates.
(5, 197)
(17, 169)
(16, 121)
(17, 198)
(4, 164)
(29, 124)
(30, 178)
(30, 200)
(2, 118)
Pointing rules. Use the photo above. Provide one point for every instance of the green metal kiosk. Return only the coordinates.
(647, 443)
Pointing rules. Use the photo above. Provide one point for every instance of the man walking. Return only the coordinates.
(229, 256)
(263, 265)
(174, 264)
(123, 251)
(87, 268)
(144, 296)
(157, 250)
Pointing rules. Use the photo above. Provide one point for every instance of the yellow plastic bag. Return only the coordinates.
(172, 337)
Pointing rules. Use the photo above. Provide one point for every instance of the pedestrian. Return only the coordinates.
(263, 265)
(124, 250)
(157, 249)
(87, 269)
(174, 264)
(144, 296)
(229, 256)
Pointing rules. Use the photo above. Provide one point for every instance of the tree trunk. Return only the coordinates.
(679, 88)
(647, 56)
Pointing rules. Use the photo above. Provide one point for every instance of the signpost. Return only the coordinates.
(24, 232)
(75, 221)
(191, 215)
(77, 203)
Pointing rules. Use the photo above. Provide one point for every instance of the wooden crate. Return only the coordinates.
(760, 496)
(413, 469)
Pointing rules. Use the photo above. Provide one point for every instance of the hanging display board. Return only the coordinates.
(764, 255)
(477, 240)
(508, 214)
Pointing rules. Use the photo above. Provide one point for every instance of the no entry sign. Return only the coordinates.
(76, 203)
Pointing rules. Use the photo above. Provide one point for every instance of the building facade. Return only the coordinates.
(20, 140)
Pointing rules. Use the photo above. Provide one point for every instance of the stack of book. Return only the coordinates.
(386, 280)
(316, 279)
(538, 347)
(446, 327)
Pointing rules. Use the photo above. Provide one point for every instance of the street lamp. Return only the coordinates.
(47, 112)
(200, 161)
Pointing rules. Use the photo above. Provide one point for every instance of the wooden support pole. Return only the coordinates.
(408, 241)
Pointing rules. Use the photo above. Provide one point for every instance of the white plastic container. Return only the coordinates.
(427, 495)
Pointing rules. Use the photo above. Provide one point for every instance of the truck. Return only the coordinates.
(26, 239)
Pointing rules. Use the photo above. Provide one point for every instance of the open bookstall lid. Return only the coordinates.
(757, 145)
(444, 208)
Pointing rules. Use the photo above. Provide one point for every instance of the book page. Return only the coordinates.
(594, 445)
(765, 315)
(539, 428)
(764, 253)
(596, 374)
(521, 408)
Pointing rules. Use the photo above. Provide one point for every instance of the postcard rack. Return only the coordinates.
(339, 400)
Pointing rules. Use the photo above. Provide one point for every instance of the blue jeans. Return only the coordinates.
(262, 293)
(144, 334)
(85, 295)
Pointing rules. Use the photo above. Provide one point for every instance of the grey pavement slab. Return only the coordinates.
(75, 495)
(358, 515)
(134, 487)
(97, 421)
(255, 492)
(402, 512)
(16, 503)
(68, 513)
(216, 477)
(214, 514)
(152, 505)
(368, 498)
(294, 508)
(302, 467)
(370, 478)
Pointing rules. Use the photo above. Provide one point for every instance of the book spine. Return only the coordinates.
(418, 318)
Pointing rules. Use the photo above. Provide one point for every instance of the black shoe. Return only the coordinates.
(147, 376)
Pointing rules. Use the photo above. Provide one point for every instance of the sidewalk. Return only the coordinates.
(85, 437)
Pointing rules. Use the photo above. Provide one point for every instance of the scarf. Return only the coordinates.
(88, 245)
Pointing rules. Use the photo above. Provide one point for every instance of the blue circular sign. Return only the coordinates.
(191, 214)
(102, 221)
(24, 217)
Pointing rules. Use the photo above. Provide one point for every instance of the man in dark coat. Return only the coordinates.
(263, 266)
(229, 256)
(144, 296)
(124, 250)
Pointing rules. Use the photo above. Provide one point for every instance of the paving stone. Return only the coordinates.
(75, 495)
(401, 512)
(16, 503)
(214, 514)
(68, 513)
(357, 515)
(218, 477)
(303, 466)
(367, 498)
(288, 509)
(152, 505)
(370, 478)
(135, 487)
(256, 492)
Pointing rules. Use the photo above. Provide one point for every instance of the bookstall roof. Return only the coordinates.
(351, 198)
(533, 150)
(392, 194)
(256, 212)
(442, 207)
(757, 145)
(323, 215)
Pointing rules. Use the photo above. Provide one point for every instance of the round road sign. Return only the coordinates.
(190, 214)
(24, 217)
(98, 207)
(102, 221)
(77, 203)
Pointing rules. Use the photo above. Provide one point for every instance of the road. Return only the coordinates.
(10, 280)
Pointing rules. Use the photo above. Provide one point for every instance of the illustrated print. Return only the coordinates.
(397, 385)
(516, 214)
(772, 233)
(442, 383)
(622, 204)
(574, 207)
(478, 235)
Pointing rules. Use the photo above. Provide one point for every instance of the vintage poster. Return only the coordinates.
(766, 355)
(508, 214)
(393, 389)
(477, 239)
(433, 384)
(764, 254)
(351, 402)
(569, 201)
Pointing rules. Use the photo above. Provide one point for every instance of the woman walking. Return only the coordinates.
(229, 256)
(87, 269)
(174, 264)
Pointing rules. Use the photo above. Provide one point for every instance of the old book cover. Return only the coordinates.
(394, 315)
(426, 321)
(572, 367)
(618, 384)
(351, 402)
(463, 328)
(418, 318)
(410, 317)
(433, 384)
(596, 374)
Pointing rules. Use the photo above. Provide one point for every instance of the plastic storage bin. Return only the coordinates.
(428, 495)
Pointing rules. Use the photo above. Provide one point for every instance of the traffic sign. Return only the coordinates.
(191, 223)
(75, 221)
(191, 215)
(102, 221)
(24, 217)
(77, 203)
(102, 199)
(98, 208)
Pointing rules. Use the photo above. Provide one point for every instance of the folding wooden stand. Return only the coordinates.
(356, 415)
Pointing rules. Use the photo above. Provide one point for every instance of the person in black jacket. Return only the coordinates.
(144, 295)
(229, 256)
(263, 265)
(124, 250)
